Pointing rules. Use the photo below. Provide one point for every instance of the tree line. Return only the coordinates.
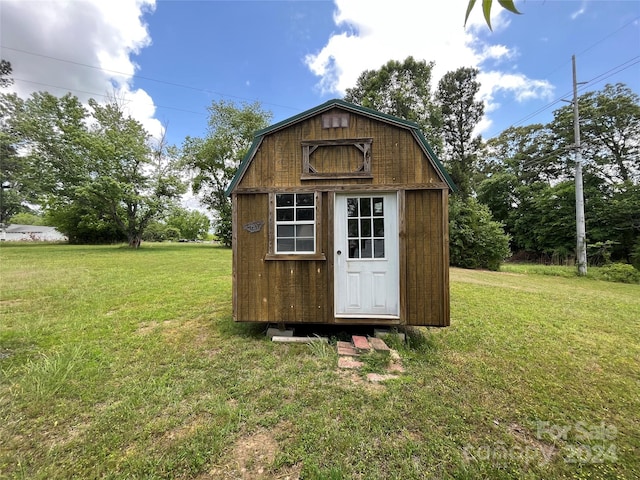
(516, 192)
(98, 176)
(91, 171)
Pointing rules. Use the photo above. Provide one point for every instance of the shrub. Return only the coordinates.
(475, 239)
(620, 272)
(635, 255)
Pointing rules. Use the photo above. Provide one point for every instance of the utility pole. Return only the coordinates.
(581, 246)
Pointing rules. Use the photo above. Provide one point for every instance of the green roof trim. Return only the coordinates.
(413, 126)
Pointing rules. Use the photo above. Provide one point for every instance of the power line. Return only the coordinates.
(593, 45)
(141, 77)
(103, 95)
(599, 78)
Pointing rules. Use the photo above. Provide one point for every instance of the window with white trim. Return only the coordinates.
(295, 223)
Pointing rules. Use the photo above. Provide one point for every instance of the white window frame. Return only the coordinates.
(295, 223)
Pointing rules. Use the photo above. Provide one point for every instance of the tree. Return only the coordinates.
(192, 225)
(5, 73)
(214, 160)
(529, 152)
(475, 239)
(401, 89)
(609, 131)
(94, 171)
(12, 201)
(529, 185)
(131, 182)
(461, 112)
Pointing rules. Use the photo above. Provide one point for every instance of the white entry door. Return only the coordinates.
(366, 255)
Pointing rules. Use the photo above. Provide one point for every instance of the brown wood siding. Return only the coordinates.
(427, 279)
(289, 291)
(396, 157)
(269, 288)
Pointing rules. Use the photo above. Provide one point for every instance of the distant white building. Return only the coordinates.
(31, 233)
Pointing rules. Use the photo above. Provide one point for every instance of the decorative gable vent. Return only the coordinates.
(335, 120)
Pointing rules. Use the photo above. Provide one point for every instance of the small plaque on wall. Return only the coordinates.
(253, 227)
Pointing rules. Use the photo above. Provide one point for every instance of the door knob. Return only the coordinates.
(339, 252)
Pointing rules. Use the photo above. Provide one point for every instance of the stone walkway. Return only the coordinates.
(350, 352)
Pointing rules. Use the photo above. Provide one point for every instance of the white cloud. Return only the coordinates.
(78, 46)
(580, 11)
(374, 32)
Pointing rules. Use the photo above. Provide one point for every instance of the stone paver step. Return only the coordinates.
(346, 348)
(361, 343)
(378, 345)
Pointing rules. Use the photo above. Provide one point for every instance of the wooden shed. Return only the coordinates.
(340, 216)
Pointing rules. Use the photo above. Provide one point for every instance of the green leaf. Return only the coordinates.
(469, 8)
(509, 5)
(486, 9)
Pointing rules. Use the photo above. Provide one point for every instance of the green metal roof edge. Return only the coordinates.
(257, 140)
(260, 134)
(436, 161)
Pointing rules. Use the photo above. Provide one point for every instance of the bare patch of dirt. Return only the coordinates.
(10, 303)
(251, 458)
(522, 436)
(181, 431)
(146, 328)
(197, 333)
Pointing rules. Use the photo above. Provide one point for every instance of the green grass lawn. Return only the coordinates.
(117, 363)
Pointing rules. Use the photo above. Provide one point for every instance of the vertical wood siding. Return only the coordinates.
(289, 291)
(396, 157)
(298, 291)
(427, 277)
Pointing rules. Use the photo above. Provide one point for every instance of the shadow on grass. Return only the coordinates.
(417, 339)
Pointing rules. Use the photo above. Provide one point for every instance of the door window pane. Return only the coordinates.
(365, 227)
(365, 248)
(378, 207)
(352, 207)
(378, 227)
(365, 207)
(378, 248)
(354, 251)
(352, 228)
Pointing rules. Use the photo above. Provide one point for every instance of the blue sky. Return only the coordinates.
(171, 58)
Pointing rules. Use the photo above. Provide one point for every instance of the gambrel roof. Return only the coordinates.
(374, 114)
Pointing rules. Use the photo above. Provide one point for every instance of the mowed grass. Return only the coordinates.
(126, 364)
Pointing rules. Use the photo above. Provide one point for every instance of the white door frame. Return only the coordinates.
(366, 287)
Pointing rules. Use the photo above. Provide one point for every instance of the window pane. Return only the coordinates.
(285, 244)
(365, 207)
(354, 251)
(284, 214)
(304, 245)
(378, 207)
(365, 227)
(365, 249)
(353, 228)
(304, 231)
(378, 247)
(304, 214)
(285, 231)
(352, 207)
(378, 227)
(284, 200)
(304, 199)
